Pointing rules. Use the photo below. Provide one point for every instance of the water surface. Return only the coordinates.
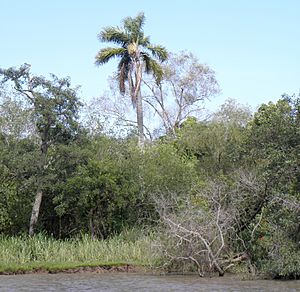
(136, 282)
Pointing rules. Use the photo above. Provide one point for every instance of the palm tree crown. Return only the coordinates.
(133, 49)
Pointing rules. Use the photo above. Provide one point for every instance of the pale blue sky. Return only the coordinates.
(254, 46)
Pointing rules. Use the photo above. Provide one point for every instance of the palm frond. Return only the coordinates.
(134, 27)
(114, 35)
(105, 54)
(145, 41)
(136, 23)
(140, 19)
(152, 66)
(158, 52)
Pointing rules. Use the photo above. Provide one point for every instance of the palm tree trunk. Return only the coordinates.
(140, 120)
(139, 104)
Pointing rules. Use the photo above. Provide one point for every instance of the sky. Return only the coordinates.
(253, 46)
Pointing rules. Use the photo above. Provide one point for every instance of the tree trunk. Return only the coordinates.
(139, 102)
(140, 120)
(35, 211)
(39, 194)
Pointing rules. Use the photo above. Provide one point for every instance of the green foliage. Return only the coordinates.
(55, 103)
(115, 178)
(165, 170)
(216, 145)
(273, 142)
(17, 165)
(276, 252)
(273, 145)
(55, 108)
(99, 195)
(101, 185)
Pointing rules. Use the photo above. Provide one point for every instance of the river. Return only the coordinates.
(136, 282)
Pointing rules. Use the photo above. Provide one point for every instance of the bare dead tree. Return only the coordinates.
(205, 228)
(195, 229)
(185, 86)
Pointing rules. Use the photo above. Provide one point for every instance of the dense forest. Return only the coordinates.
(217, 190)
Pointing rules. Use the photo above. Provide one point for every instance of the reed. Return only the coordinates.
(40, 251)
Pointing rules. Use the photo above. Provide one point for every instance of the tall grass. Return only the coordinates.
(39, 250)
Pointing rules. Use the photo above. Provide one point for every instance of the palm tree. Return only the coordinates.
(136, 55)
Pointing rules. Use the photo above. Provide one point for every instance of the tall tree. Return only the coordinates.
(185, 86)
(136, 55)
(55, 109)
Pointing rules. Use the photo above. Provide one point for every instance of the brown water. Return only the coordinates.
(136, 282)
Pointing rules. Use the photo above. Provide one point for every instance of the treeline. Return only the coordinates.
(242, 168)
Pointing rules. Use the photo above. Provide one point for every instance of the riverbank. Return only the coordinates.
(42, 254)
(70, 268)
(131, 251)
